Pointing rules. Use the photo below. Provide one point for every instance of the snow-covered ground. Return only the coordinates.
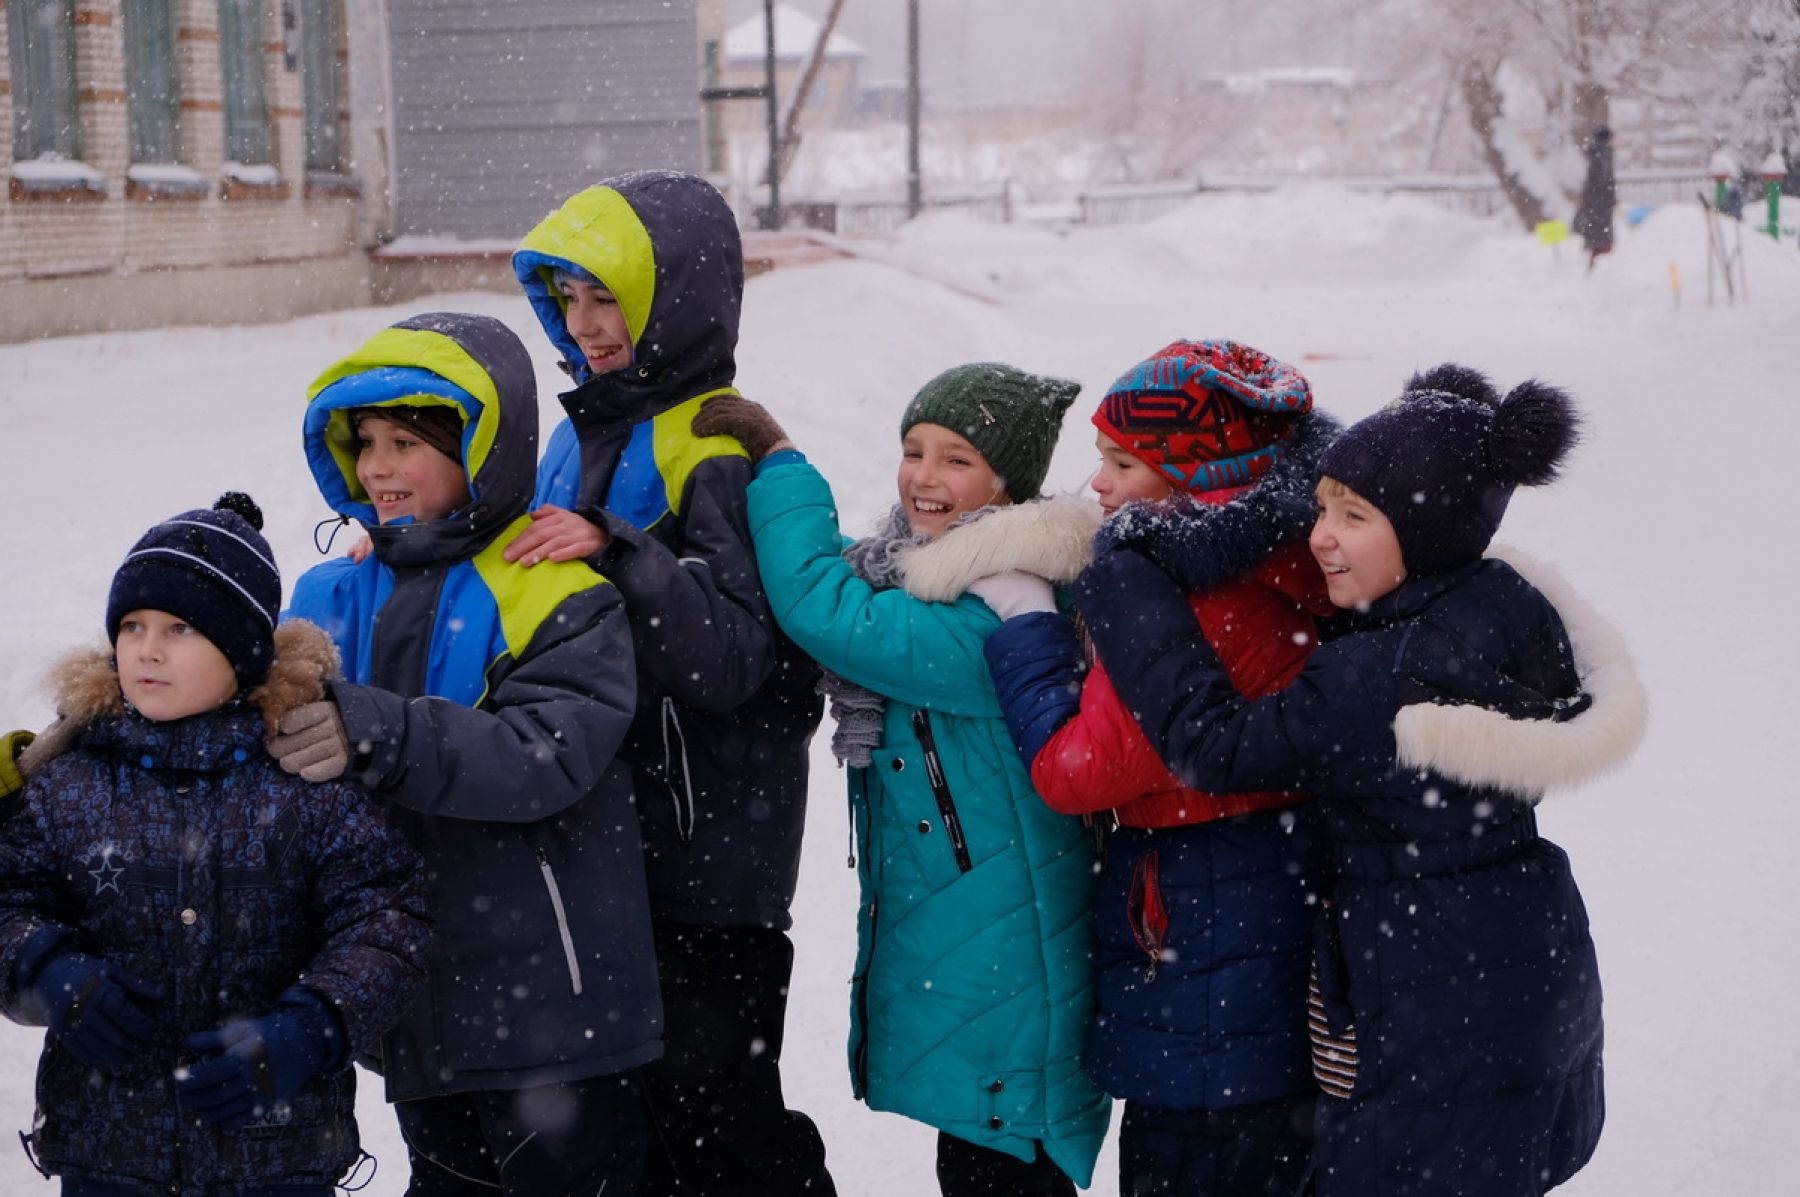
(1672, 518)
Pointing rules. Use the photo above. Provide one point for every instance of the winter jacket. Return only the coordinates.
(1202, 914)
(1455, 962)
(487, 703)
(726, 703)
(181, 852)
(973, 982)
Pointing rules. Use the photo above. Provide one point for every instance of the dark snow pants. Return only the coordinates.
(574, 1137)
(1257, 1150)
(967, 1170)
(719, 1124)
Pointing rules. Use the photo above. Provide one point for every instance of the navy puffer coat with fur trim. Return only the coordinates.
(182, 853)
(1456, 947)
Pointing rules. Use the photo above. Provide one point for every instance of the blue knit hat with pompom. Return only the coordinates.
(1442, 460)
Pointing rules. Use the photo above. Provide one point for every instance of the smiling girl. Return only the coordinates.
(973, 985)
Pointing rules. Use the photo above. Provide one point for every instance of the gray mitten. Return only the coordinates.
(311, 741)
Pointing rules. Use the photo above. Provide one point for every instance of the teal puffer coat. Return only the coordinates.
(973, 985)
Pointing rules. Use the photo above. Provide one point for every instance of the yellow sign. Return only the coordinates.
(1552, 232)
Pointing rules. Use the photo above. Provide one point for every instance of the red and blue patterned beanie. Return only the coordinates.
(1205, 415)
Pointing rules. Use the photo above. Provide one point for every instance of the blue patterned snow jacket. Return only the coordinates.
(182, 853)
(1456, 947)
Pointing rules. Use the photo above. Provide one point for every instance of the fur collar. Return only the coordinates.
(1052, 538)
(1477, 746)
(86, 682)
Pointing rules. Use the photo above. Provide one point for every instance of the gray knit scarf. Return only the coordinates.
(856, 709)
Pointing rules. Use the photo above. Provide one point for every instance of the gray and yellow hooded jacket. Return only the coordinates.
(725, 703)
(487, 704)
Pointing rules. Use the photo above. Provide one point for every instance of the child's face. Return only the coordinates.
(168, 670)
(1356, 547)
(597, 323)
(1122, 478)
(943, 476)
(405, 476)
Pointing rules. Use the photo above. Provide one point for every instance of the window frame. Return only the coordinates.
(46, 97)
(152, 82)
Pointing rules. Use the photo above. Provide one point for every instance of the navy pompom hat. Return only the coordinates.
(212, 569)
(1442, 461)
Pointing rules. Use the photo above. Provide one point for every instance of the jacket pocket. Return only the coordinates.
(562, 920)
(940, 790)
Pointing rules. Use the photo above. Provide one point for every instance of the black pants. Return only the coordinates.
(965, 1170)
(577, 1137)
(719, 1124)
(1260, 1150)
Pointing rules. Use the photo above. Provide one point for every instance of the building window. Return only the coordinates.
(241, 60)
(41, 47)
(319, 70)
(150, 97)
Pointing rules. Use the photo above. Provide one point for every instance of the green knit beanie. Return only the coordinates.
(1010, 416)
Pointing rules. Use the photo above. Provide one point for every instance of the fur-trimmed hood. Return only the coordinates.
(86, 682)
(1478, 746)
(1052, 538)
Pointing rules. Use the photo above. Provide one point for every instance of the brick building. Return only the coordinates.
(224, 161)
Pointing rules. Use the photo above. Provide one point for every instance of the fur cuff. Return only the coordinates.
(1477, 746)
(1052, 538)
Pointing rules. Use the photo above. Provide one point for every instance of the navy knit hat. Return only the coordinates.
(1010, 416)
(212, 569)
(1441, 461)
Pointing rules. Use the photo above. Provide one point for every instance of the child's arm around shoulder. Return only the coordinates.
(541, 739)
(1336, 715)
(924, 653)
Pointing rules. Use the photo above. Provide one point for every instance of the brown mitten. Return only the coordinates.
(744, 420)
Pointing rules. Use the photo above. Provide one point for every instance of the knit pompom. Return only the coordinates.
(241, 504)
(1534, 428)
(1465, 382)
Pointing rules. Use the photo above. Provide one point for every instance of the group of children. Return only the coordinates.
(1215, 797)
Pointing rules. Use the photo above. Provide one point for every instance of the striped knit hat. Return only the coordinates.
(1205, 415)
(212, 569)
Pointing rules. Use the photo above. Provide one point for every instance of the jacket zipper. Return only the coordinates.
(562, 920)
(940, 790)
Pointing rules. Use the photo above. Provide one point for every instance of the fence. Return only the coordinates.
(1476, 195)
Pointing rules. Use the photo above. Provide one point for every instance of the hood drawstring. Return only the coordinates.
(340, 521)
(684, 818)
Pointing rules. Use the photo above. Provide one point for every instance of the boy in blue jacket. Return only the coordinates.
(209, 940)
(485, 705)
(1456, 998)
(638, 283)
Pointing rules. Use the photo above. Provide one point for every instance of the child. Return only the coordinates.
(1203, 914)
(1457, 1014)
(209, 940)
(638, 283)
(973, 980)
(485, 706)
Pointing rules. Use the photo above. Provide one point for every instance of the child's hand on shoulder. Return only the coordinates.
(745, 421)
(556, 534)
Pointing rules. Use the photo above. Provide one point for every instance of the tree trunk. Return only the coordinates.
(1481, 96)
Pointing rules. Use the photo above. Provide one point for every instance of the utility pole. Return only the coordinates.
(774, 117)
(915, 198)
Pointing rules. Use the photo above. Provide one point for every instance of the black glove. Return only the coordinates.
(246, 1067)
(747, 422)
(98, 1011)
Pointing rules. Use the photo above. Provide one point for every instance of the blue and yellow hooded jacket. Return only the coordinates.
(725, 701)
(488, 703)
